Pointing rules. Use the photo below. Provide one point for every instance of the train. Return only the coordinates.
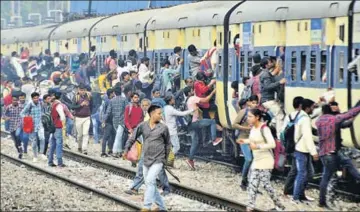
(318, 38)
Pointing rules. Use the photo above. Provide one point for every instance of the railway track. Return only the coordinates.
(100, 193)
(348, 195)
(187, 192)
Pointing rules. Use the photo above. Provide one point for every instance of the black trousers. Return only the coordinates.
(108, 138)
(17, 141)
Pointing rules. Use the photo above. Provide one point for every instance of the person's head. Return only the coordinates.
(245, 80)
(82, 89)
(57, 80)
(334, 107)
(110, 93)
(308, 106)
(297, 101)
(188, 91)
(13, 54)
(22, 98)
(133, 74)
(114, 75)
(112, 53)
(15, 101)
(155, 113)
(192, 50)
(93, 48)
(117, 90)
(169, 100)
(35, 97)
(135, 97)
(200, 76)
(235, 85)
(57, 95)
(47, 98)
(47, 52)
(326, 109)
(256, 58)
(156, 93)
(267, 62)
(145, 104)
(125, 76)
(254, 116)
(165, 63)
(127, 90)
(145, 61)
(252, 102)
(103, 70)
(132, 53)
(121, 63)
(56, 54)
(26, 80)
(83, 62)
(189, 82)
(177, 50)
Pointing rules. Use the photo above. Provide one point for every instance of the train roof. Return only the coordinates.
(74, 29)
(27, 34)
(126, 23)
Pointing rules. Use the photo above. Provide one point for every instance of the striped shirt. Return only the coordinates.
(35, 112)
(13, 112)
(116, 109)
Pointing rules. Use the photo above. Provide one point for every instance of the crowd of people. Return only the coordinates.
(122, 103)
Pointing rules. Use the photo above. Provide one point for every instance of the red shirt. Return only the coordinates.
(201, 90)
(133, 116)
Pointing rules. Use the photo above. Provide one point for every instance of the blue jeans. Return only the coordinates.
(245, 149)
(56, 142)
(24, 137)
(118, 143)
(152, 194)
(302, 163)
(175, 143)
(33, 137)
(69, 126)
(139, 178)
(195, 128)
(96, 124)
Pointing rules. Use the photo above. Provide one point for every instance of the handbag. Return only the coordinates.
(28, 124)
(135, 152)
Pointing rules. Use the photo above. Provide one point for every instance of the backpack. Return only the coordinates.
(247, 92)
(278, 152)
(48, 123)
(28, 124)
(288, 135)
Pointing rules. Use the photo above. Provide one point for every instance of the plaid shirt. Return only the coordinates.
(116, 109)
(35, 113)
(13, 112)
(326, 125)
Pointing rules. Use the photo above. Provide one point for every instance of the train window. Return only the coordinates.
(342, 32)
(125, 38)
(357, 52)
(293, 65)
(101, 40)
(253, 30)
(341, 67)
(220, 38)
(229, 38)
(298, 27)
(155, 61)
(104, 39)
(193, 32)
(306, 26)
(30, 44)
(266, 53)
(249, 62)
(242, 64)
(168, 35)
(313, 66)
(303, 66)
(122, 38)
(259, 28)
(323, 60)
(199, 32)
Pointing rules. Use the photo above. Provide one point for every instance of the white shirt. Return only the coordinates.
(60, 110)
(170, 117)
(144, 74)
(16, 63)
(120, 70)
(303, 135)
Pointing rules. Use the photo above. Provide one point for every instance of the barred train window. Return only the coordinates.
(313, 66)
(249, 62)
(242, 64)
(266, 53)
(357, 52)
(303, 65)
(293, 65)
(341, 67)
(323, 61)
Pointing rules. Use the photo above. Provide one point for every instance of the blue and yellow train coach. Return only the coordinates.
(314, 36)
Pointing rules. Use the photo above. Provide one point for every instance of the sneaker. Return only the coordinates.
(62, 166)
(217, 141)
(35, 160)
(307, 199)
(191, 164)
(165, 193)
(52, 165)
(110, 152)
(243, 187)
(67, 146)
(133, 164)
(80, 150)
(43, 157)
(116, 155)
(104, 155)
(131, 192)
(85, 153)
(20, 156)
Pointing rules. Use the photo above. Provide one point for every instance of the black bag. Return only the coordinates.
(288, 135)
(48, 123)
